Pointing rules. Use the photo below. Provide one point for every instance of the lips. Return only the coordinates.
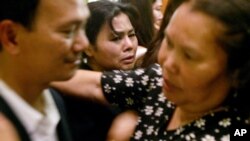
(128, 60)
(168, 86)
(77, 62)
(73, 60)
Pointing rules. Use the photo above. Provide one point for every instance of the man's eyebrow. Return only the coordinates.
(73, 22)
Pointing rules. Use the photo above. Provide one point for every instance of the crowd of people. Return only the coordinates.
(75, 74)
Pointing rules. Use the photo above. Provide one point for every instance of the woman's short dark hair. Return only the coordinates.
(102, 12)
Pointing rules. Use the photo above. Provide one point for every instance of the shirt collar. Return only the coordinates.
(29, 116)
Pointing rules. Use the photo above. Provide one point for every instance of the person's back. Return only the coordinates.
(37, 48)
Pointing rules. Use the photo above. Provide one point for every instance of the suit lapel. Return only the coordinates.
(64, 133)
(62, 128)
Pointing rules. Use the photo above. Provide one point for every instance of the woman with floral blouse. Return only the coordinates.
(199, 90)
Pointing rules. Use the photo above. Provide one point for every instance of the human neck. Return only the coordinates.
(28, 90)
(183, 117)
(95, 66)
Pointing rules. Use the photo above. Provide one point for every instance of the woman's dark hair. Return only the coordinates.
(145, 26)
(104, 11)
(235, 15)
(151, 55)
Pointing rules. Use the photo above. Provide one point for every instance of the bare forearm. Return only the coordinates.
(86, 84)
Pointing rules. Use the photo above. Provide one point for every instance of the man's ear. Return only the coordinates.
(8, 34)
(89, 51)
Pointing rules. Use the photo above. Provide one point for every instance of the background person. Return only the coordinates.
(150, 56)
(157, 14)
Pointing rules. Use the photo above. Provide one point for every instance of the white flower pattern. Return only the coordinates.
(199, 123)
(225, 122)
(129, 82)
(138, 135)
(107, 88)
(150, 130)
(225, 138)
(159, 111)
(208, 138)
(141, 90)
(144, 80)
(117, 78)
(149, 110)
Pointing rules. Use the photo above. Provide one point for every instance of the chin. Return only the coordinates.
(67, 75)
(128, 67)
(71, 74)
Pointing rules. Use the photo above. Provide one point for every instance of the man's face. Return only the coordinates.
(51, 49)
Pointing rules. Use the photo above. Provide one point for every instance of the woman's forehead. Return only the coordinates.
(193, 29)
(185, 15)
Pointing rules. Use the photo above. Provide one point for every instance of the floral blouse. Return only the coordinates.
(141, 91)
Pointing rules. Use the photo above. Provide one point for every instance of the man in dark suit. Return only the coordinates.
(40, 42)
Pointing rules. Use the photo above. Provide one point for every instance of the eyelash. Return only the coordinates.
(187, 56)
(120, 38)
(131, 35)
(185, 53)
(70, 32)
(116, 38)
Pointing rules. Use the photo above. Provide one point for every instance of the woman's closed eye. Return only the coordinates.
(191, 55)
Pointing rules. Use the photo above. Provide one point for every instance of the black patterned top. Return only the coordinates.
(141, 91)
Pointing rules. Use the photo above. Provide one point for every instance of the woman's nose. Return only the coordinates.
(170, 63)
(128, 43)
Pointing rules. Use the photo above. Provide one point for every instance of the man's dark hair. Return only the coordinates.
(19, 11)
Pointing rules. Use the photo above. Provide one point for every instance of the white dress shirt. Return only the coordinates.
(40, 127)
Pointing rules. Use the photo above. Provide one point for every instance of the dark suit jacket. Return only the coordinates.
(88, 120)
(62, 128)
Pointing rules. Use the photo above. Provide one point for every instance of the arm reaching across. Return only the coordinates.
(127, 89)
(86, 84)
